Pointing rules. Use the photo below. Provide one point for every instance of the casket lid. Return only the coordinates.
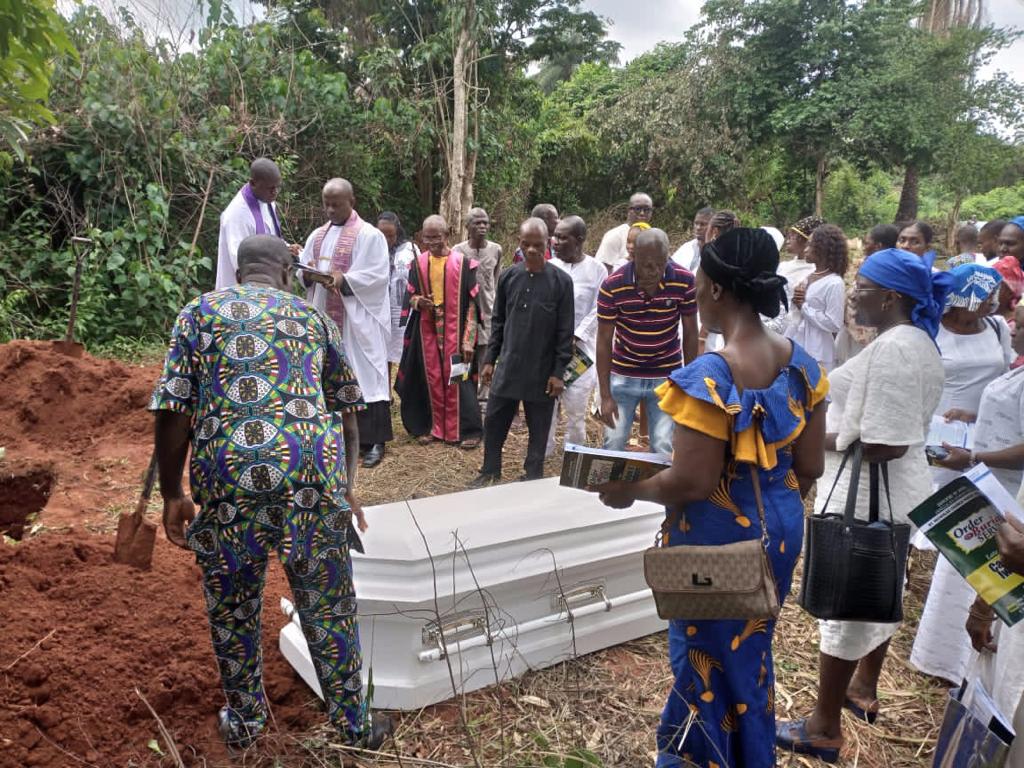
(489, 517)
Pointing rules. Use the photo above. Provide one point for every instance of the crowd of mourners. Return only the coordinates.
(741, 346)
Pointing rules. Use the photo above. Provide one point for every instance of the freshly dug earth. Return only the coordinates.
(107, 630)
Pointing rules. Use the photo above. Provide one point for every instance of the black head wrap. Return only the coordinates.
(744, 261)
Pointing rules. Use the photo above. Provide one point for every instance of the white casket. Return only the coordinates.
(524, 575)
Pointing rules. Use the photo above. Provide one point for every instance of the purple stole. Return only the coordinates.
(341, 260)
(253, 204)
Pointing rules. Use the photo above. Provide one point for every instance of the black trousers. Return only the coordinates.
(500, 413)
(375, 424)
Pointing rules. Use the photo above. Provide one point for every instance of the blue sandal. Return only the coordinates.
(868, 715)
(792, 736)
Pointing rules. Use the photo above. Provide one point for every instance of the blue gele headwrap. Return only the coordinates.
(906, 273)
(973, 285)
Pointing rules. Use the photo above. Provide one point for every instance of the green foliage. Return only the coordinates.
(857, 202)
(31, 34)
(998, 203)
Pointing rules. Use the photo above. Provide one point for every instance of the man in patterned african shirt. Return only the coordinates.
(256, 380)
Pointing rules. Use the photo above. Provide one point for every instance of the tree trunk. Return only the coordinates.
(907, 210)
(451, 201)
(821, 173)
(951, 225)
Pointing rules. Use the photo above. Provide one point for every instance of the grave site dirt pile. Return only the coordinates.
(77, 438)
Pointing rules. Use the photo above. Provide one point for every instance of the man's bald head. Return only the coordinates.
(547, 213)
(533, 242)
(265, 179)
(339, 186)
(435, 235)
(568, 240)
(338, 198)
(650, 255)
(641, 208)
(264, 259)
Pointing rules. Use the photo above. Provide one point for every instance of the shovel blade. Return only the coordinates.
(136, 538)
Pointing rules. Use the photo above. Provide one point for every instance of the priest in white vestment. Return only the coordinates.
(252, 211)
(353, 254)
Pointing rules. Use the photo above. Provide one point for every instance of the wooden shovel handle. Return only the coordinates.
(147, 487)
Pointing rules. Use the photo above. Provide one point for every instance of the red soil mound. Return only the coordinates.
(71, 699)
(84, 420)
(56, 400)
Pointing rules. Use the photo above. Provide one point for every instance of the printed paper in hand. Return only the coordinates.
(583, 466)
(961, 520)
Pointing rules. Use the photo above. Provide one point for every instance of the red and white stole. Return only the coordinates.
(341, 260)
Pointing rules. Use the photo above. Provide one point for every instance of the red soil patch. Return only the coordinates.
(71, 700)
(84, 419)
(80, 424)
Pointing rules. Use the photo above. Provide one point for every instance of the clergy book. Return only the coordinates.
(961, 520)
(583, 466)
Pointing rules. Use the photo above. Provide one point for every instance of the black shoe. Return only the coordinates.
(485, 479)
(380, 730)
(373, 456)
(236, 732)
(525, 478)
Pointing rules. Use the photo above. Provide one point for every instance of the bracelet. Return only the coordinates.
(973, 459)
(981, 615)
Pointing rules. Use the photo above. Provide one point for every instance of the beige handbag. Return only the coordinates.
(726, 581)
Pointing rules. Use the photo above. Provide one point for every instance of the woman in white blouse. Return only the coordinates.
(975, 349)
(819, 303)
(999, 444)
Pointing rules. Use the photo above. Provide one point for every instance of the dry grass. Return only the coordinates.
(609, 703)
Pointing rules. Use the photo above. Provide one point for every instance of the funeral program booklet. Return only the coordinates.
(961, 520)
(583, 466)
(577, 366)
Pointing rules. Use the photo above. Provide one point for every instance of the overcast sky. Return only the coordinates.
(668, 20)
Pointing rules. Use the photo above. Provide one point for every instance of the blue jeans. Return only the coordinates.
(628, 392)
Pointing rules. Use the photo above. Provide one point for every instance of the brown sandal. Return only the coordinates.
(470, 444)
(425, 439)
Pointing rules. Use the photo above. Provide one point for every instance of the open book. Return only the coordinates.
(583, 466)
(961, 520)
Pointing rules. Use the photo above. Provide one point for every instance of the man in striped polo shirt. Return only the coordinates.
(639, 309)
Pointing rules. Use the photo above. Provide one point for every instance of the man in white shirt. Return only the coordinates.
(688, 254)
(355, 295)
(613, 244)
(252, 211)
(587, 274)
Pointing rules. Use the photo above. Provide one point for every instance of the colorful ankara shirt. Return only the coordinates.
(263, 377)
(647, 343)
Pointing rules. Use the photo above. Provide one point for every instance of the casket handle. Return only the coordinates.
(565, 602)
(454, 630)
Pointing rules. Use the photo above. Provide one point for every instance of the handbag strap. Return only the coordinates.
(835, 480)
(850, 513)
(874, 470)
(756, 481)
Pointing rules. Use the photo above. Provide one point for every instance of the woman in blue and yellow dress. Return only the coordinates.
(759, 400)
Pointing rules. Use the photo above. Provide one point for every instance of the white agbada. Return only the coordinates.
(366, 331)
(688, 255)
(613, 245)
(942, 647)
(587, 275)
(236, 224)
(815, 325)
(886, 395)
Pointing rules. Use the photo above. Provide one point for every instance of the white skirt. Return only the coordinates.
(942, 647)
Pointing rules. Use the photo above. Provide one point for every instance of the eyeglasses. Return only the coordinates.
(641, 208)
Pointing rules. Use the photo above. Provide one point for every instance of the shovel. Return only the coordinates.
(69, 346)
(135, 534)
